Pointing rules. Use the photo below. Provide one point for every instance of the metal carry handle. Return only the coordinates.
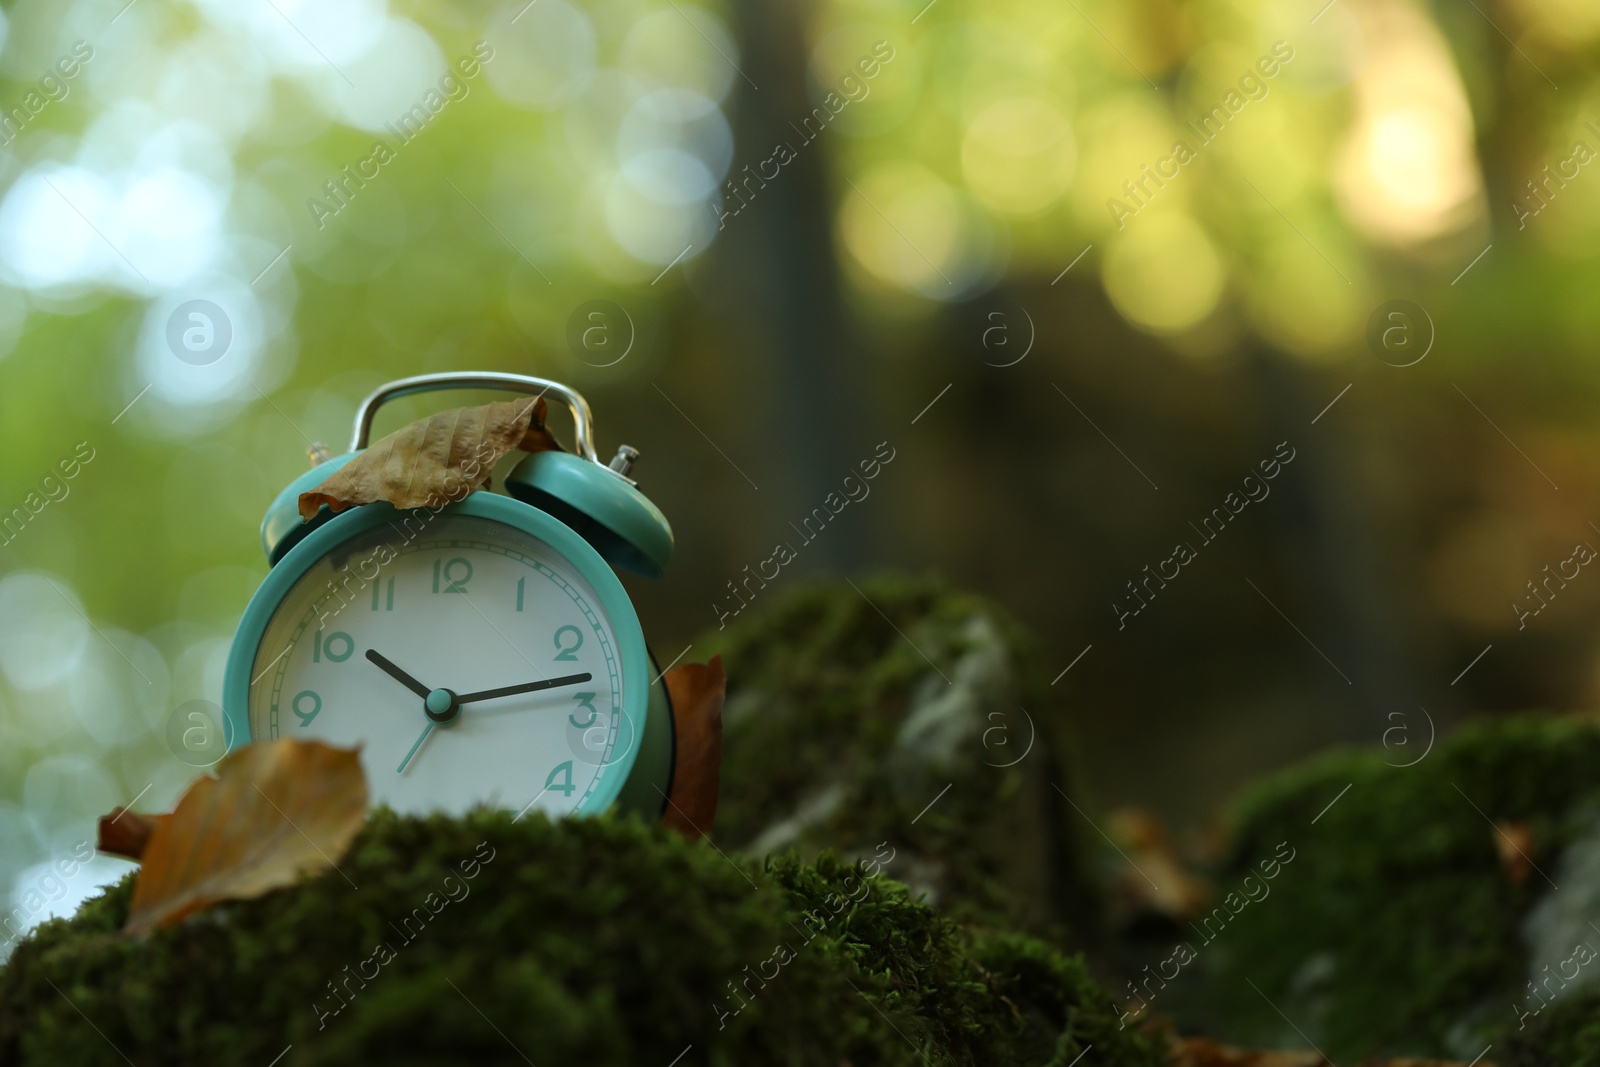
(582, 420)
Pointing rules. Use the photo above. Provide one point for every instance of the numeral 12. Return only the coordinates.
(449, 570)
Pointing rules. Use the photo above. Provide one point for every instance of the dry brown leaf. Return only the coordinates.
(1157, 879)
(435, 460)
(1203, 1052)
(277, 812)
(126, 833)
(697, 691)
(1513, 843)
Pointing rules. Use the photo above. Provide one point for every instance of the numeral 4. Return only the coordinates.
(564, 786)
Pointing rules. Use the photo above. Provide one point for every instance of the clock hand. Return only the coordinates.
(531, 687)
(487, 694)
(426, 730)
(398, 675)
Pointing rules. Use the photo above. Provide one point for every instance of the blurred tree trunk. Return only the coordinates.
(777, 278)
(1328, 554)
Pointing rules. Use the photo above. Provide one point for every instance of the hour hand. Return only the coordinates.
(513, 690)
(398, 675)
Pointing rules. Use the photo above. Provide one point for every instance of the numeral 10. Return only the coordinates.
(337, 646)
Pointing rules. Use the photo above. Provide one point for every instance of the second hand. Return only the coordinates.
(426, 730)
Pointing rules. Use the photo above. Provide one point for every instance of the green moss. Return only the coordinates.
(851, 709)
(1564, 1035)
(972, 995)
(595, 941)
(1395, 929)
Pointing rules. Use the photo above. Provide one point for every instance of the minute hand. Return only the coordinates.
(530, 687)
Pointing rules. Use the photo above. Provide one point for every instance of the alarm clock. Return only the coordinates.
(480, 653)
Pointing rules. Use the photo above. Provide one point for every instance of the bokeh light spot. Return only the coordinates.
(1018, 155)
(1162, 273)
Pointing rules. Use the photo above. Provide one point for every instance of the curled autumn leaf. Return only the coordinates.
(277, 812)
(697, 691)
(436, 460)
(127, 833)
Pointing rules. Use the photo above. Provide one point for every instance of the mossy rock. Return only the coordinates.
(889, 711)
(592, 941)
(1406, 924)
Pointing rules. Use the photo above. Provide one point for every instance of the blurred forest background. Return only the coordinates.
(931, 259)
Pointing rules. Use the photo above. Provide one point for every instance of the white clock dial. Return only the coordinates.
(459, 609)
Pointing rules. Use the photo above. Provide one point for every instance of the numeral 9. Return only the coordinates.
(305, 717)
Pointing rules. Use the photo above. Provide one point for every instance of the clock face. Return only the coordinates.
(472, 662)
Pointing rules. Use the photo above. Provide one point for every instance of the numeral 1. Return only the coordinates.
(520, 583)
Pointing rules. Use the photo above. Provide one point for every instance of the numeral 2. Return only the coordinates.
(566, 651)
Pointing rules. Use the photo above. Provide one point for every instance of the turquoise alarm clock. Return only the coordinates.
(480, 653)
